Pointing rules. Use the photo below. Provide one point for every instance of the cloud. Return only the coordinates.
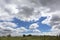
(7, 24)
(23, 10)
(34, 26)
(21, 29)
(53, 4)
(54, 21)
(5, 16)
(29, 10)
(6, 31)
(7, 28)
(36, 31)
(11, 8)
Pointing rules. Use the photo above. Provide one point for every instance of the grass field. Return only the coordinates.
(31, 38)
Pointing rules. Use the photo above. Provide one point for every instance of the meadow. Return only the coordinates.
(31, 38)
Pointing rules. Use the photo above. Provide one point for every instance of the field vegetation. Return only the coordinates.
(30, 37)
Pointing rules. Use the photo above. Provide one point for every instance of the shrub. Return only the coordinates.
(9, 35)
(29, 35)
(24, 35)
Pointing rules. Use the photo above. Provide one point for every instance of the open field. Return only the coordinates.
(31, 38)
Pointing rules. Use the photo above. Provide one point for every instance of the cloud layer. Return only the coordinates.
(29, 10)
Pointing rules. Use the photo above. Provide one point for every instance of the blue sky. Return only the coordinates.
(42, 27)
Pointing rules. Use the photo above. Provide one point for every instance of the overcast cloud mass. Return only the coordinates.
(29, 11)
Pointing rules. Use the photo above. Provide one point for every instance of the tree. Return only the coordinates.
(9, 35)
(29, 35)
(24, 35)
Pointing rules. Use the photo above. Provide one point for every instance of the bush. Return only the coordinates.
(29, 35)
(9, 35)
(24, 35)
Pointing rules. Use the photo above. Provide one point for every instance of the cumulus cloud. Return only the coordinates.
(36, 31)
(23, 10)
(34, 26)
(53, 19)
(21, 29)
(5, 16)
(7, 28)
(54, 22)
(7, 24)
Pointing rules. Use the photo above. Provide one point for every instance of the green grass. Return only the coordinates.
(31, 38)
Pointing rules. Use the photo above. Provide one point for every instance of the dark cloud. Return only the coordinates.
(5, 32)
(53, 4)
(55, 20)
(8, 1)
(46, 2)
(27, 11)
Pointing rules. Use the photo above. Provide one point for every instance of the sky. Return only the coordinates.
(35, 17)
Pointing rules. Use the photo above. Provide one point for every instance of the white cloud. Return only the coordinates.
(5, 16)
(34, 26)
(7, 24)
(36, 31)
(23, 10)
(7, 28)
(54, 21)
(12, 8)
(21, 29)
